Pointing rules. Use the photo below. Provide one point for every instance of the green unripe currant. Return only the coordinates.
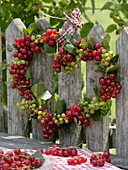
(23, 62)
(104, 51)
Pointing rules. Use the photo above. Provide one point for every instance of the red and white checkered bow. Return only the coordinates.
(76, 15)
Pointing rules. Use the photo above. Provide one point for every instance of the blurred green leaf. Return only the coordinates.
(96, 91)
(85, 29)
(114, 68)
(105, 42)
(38, 155)
(111, 28)
(115, 59)
(71, 39)
(93, 6)
(108, 6)
(89, 43)
(97, 116)
(49, 49)
(70, 48)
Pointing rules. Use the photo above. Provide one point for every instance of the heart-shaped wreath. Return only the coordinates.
(68, 54)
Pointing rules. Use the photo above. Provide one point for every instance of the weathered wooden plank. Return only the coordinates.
(17, 119)
(15, 141)
(42, 72)
(97, 132)
(122, 100)
(70, 90)
(1, 89)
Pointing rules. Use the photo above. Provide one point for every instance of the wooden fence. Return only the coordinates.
(96, 135)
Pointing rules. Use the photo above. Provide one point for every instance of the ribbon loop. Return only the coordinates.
(76, 15)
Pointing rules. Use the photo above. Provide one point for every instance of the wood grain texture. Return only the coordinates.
(17, 119)
(1, 89)
(97, 132)
(70, 90)
(122, 100)
(42, 72)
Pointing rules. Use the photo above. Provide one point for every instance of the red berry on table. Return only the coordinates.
(73, 152)
(17, 151)
(94, 162)
(106, 154)
(108, 160)
(100, 162)
(70, 161)
(48, 152)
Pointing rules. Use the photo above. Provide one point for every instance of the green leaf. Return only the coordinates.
(75, 120)
(114, 68)
(4, 65)
(97, 116)
(33, 27)
(123, 8)
(120, 22)
(89, 43)
(70, 38)
(96, 91)
(111, 28)
(93, 6)
(115, 59)
(104, 110)
(101, 69)
(38, 155)
(118, 79)
(38, 91)
(70, 48)
(105, 42)
(108, 6)
(28, 73)
(60, 106)
(25, 31)
(49, 49)
(47, 95)
(85, 29)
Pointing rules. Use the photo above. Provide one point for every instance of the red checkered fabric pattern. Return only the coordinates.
(61, 162)
(76, 15)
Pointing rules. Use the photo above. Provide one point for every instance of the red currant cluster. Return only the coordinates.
(51, 122)
(100, 159)
(76, 111)
(49, 126)
(49, 37)
(26, 47)
(89, 55)
(15, 160)
(57, 151)
(20, 63)
(77, 160)
(65, 59)
(110, 88)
